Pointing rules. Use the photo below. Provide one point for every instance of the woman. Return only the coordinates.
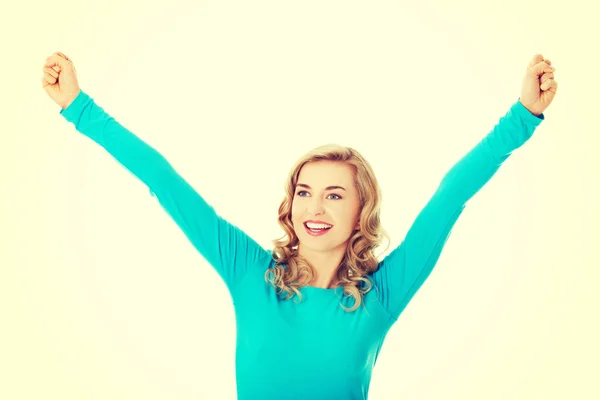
(312, 313)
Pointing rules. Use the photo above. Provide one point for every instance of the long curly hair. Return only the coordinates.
(359, 259)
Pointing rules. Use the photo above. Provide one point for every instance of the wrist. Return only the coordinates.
(67, 103)
(529, 108)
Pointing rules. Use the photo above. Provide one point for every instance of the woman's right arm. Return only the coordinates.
(226, 247)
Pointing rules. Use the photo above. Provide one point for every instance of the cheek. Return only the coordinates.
(294, 212)
(349, 211)
(351, 217)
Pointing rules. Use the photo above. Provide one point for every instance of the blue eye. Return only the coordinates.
(338, 197)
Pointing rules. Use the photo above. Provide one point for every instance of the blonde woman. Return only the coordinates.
(312, 313)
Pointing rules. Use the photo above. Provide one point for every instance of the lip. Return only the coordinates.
(321, 233)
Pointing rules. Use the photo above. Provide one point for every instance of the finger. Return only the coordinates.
(541, 67)
(62, 55)
(547, 61)
(536, 60)
(546, 76)
(52, 65)
(56, 60)
(52, 71)
(51, 62)
(48, 79)
(549, 85)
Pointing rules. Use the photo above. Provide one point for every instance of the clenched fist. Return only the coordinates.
(539, 85)
(60, 79)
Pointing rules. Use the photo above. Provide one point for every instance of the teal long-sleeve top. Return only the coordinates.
(312, 349)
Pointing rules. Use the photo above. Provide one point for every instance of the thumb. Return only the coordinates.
(58, 61)
(540, 69)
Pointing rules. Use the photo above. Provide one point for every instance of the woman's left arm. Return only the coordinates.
(405, 269)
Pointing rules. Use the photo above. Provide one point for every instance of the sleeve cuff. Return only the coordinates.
(522, 112)
(73, 111)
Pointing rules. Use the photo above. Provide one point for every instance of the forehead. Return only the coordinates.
(326, 173)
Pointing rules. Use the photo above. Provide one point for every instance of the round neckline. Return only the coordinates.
(320, 289)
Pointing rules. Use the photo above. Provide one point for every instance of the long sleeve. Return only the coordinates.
(402, 272)
(226, 247)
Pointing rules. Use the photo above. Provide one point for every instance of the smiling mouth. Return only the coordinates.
(317, 231)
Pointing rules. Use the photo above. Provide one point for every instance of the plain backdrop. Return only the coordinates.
(101, 295)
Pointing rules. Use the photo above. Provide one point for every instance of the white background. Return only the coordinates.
(102, 297)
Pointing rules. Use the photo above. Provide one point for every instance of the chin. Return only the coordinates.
(317, 244)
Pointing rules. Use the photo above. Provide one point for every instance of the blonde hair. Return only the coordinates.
(359, 259)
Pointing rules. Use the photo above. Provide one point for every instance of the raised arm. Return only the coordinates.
(226, 247)
(405, 269)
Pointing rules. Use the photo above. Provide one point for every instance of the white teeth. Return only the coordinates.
(317, 226)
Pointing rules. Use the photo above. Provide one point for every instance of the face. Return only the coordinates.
(325, 194)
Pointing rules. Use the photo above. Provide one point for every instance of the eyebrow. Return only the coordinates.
(327, 188)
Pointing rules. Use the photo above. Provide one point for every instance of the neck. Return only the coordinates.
(325, 264)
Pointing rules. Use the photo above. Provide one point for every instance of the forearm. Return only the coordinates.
(133, 153)
(478, 166)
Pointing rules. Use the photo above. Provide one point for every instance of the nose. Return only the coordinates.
(315, 207)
